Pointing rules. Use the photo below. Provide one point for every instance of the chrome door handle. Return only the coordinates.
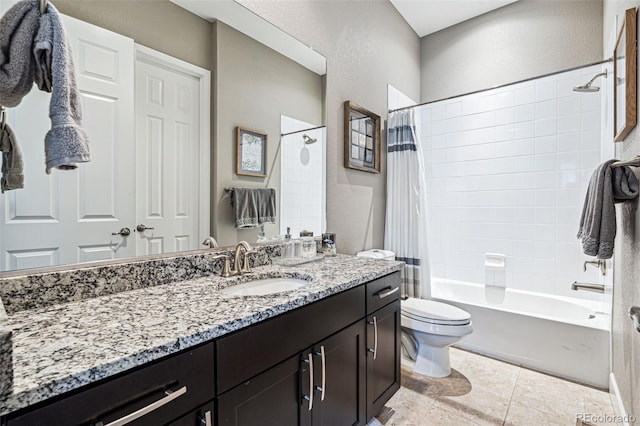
(149, 408)
(382, 293)
(322, 388)
(375, 337)
(142, 228)
(124, 232)
(309, 398)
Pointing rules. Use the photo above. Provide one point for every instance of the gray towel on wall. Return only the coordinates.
(253, 206)
(607, 186)
(18, 28)
(66, 143)
(12, 167)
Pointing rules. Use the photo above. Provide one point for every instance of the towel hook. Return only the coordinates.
(43, 6)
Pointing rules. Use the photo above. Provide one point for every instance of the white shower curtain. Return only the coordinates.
(406, 221)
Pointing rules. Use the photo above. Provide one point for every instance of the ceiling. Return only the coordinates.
(429, 16)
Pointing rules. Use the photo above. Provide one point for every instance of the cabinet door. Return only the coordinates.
(271, 398)
(383, 356)
(203, 416)
(339, 382)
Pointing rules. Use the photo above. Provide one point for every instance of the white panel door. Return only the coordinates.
(69, 216)
(167, 158)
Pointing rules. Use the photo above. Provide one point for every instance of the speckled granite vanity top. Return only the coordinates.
(63, 346)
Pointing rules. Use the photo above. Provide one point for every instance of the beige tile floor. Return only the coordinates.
(485, 391)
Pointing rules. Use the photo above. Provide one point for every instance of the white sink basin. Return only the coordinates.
(264, 287)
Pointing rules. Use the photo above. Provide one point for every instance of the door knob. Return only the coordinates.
(142, 228)
(124, 232)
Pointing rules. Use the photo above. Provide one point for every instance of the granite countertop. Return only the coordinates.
(62, 347)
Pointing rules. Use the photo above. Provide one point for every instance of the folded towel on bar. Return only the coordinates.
(67, 142)
(12, 167)
(18, 28)
(607, 186)
(253, 206)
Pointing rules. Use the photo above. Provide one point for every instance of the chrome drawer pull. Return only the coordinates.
(382, 293)
(149, 408)
(374, 351)
(206, 420)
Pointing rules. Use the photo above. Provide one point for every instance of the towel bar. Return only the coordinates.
(634, 314)
(633, 161)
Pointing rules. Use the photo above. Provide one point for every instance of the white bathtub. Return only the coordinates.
(559, 335)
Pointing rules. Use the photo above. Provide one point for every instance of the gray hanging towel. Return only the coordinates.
(607, 186)
(67, 142)
(12, 167)
(18, 28)
(253, 206)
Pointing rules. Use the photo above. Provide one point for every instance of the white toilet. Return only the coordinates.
(428, 328)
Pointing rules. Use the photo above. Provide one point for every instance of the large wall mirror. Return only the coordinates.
(162, 133)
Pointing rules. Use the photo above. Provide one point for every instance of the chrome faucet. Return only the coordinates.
(210, 242)
(598, 288)
(599, 263)
(241, 264)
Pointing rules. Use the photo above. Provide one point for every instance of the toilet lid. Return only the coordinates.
(434, 312)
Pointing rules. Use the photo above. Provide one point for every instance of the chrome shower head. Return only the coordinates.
(588, 88)
(308, 140)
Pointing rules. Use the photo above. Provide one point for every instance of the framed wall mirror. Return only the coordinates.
(624, 81)
(361, 138)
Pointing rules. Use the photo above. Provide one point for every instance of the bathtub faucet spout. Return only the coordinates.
(598, 288)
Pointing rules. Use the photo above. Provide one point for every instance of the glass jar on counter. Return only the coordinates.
(308, 247)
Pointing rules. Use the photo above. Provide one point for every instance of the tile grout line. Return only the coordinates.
(513, 391)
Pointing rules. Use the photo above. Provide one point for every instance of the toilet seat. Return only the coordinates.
(432, 312)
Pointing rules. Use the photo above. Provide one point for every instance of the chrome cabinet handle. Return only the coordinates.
(382, 293)
(375, 337)
(310, 397)
(124, 232)
(324, 374)
(142, 228)
(149, 408)
(206, 419)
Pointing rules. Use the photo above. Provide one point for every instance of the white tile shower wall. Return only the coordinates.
(507, 170)
(302, 179)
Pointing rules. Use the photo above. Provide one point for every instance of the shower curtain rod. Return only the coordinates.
(503, 85)
(303, 130)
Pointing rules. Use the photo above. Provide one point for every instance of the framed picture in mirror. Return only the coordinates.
(251, 153)
(624, 73)
(361, 138)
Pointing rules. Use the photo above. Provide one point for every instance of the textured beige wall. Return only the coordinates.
(367, 45)
(157, 24)
(253, 86)
(626, 287)
(524, 39)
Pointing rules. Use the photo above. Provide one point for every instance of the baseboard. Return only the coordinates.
(616, 400)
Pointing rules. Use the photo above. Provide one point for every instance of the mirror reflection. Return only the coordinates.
(162, 139)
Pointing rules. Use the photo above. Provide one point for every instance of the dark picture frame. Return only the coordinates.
(624, 77)
(251, 152)
(361, 138)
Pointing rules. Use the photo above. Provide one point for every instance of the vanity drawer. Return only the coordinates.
(189, 375)
(383, 291)
(250, 351)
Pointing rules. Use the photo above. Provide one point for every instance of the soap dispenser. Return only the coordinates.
(288, 249)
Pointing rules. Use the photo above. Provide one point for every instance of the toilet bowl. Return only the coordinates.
(430, 328)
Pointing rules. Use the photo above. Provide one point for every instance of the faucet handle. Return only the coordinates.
(226, 265)
(245, 261)
(599, 263)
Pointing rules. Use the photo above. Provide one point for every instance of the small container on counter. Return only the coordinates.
(308, 247)
(329, 243)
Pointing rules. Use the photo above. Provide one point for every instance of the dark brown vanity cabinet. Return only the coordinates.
(155, 394)
(383, 341)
